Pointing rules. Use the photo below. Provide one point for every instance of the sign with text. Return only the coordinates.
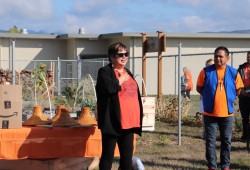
(152, 44)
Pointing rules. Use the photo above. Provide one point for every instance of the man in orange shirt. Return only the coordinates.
(219, 84)
(244, 97)
(187, 85)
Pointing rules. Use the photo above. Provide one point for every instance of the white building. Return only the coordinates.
(75, 46)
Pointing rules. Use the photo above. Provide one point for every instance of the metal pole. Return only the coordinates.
(179, 94)
(175, 75)
(58, 76)
(79, 72)
(232, 59)
(133, 56)
(13, 61)
(144, 62)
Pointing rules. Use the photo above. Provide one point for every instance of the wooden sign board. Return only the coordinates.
(152, 44)
(148, 122)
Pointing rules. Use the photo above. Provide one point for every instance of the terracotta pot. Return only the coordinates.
(37, 118)
(86, 118)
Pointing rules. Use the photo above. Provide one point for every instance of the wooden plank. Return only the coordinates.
(46, 164)
(148, 113)
(148, 119)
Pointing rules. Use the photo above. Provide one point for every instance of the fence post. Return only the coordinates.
(58, 76)
(159, 93)
(232, 59)
(144, 62)
(175, 73)
(79, 71)
(103, 62)
(13, 62)
(179, 93)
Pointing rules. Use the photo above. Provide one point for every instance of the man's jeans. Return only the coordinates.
(225, 125)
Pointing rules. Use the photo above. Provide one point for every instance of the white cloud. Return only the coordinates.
(93, 6)
(95, 16)
(28, 9)
(192, 24)
(72, 24)
(188, 2)
(104, 16)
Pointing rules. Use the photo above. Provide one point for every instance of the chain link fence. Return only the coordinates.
(194, 62)
(68, 71)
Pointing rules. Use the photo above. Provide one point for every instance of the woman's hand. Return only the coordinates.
(123, 78)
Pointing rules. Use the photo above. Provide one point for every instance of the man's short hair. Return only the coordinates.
(223, 49)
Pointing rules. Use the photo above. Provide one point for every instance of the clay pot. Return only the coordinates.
(86, 118)
(37, 118)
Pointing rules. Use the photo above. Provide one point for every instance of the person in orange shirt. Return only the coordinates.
(244, 97)
(209, 62)
(119, 108)
(187, 83)
(219, 84)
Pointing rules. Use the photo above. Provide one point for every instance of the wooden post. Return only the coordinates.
(159, 93)
(144, 63)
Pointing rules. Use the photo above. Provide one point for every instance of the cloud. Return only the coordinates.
(28, 9)
(105, 16)
(74, 23)
(28, 14)
(95, 6)
(96, 16)
(191, 24)
(188, 2)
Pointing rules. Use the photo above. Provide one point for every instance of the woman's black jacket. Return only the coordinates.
(108, 106)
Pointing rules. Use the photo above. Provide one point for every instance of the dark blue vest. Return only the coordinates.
(210, 86)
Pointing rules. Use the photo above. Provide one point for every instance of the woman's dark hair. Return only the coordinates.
(115, 48)
(223, 49)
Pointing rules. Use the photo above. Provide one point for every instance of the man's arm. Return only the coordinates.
(200, 82)
(238, 92)
(199, 89)
(239, 84)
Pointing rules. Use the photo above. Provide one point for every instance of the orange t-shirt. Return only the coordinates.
(220, 102)
(247, 77)
(189, 80)
(129, 104)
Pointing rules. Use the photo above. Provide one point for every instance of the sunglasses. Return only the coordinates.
(119, 55)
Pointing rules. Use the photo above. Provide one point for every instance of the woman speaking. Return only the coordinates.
(119, 108)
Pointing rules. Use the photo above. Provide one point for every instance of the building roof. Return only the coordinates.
(27, 36)
(78, 36)
(127, 34)
(180, 35)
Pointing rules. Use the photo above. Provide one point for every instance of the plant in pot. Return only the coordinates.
(75, 97)
(87, 103)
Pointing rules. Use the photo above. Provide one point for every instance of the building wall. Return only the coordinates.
(194, 63)
(91, 47)
(69, 48)
(30, 49)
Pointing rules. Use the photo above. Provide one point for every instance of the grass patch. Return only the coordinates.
(160, 149)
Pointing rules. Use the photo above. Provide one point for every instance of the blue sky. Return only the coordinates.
(110, 16)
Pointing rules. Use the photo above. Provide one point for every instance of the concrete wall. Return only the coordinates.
(69, 47)
(30, 49)
(193, 62)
